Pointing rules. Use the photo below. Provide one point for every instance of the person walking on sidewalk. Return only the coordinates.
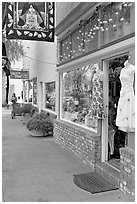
(13, 100)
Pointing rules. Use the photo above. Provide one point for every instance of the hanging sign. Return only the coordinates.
(16, 74)
(30, 21)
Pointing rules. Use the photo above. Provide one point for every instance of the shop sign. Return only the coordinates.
(30, 21)
(23, 74)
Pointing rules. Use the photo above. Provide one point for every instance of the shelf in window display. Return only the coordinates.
(85, 121)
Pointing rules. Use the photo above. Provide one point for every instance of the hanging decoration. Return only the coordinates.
(107, 20)
(30, 21)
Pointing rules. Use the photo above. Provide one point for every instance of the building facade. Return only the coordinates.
(40, 88)
(93, 41)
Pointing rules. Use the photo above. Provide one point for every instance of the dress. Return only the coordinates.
(125, 119)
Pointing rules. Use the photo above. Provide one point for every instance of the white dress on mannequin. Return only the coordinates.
(126, 106)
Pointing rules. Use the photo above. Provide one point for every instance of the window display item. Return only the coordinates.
(77, 95)
(97, 109)
(126, 105)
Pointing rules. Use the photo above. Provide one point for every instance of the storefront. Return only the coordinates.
(90, 59)
(41, 86)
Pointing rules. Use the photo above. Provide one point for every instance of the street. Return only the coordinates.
(36, 169)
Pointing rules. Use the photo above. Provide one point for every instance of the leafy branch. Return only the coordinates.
(14, 49)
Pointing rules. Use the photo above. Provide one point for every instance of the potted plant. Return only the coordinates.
(27, 111)
(40, 124)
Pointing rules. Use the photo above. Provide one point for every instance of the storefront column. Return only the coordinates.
(41, 95)
(24, 92)
(44, 96)
(60, 90)
(57, 105)
(28, 84)
(32, 92)
(104, 138)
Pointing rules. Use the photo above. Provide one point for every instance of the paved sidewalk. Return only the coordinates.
(36, 169)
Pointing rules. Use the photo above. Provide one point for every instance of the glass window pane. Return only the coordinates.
(50, 95)
(82, 96)
(118, 21)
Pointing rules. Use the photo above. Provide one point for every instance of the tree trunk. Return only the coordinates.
(7, 89)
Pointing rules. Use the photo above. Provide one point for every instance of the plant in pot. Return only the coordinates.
(40, 124)
(27, 111)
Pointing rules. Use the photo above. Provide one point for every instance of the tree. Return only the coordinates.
(14, 49)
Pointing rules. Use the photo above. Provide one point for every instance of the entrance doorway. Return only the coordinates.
(116, 137)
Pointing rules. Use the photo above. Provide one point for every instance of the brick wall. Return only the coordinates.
(127, 171)
(85, 144)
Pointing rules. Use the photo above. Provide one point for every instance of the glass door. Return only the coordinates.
(112, 138)
(116, 137)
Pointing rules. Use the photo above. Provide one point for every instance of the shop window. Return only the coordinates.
(82, 96)
(50, 95)
(118, 21)
(30, 91)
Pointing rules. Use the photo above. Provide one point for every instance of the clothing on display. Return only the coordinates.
(97, 109)
(125, 119)
(116, 137)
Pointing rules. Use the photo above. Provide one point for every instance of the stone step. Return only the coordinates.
(108, 172)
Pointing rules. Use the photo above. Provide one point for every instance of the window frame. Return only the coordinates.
(68, 69)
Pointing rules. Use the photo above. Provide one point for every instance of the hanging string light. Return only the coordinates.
(125, 4)
(130, 4)
(112, 15)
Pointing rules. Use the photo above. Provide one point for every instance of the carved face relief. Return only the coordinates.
(31, 17)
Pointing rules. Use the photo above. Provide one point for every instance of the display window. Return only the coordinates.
(118, 21)
(50, 95)
(82, 96)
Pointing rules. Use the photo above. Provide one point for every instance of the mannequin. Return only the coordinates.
(126, 105)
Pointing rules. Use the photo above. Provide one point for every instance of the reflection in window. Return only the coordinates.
(82, 96)
(50, 95)
(119, 24)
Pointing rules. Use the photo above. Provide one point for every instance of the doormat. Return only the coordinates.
(93, 182)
